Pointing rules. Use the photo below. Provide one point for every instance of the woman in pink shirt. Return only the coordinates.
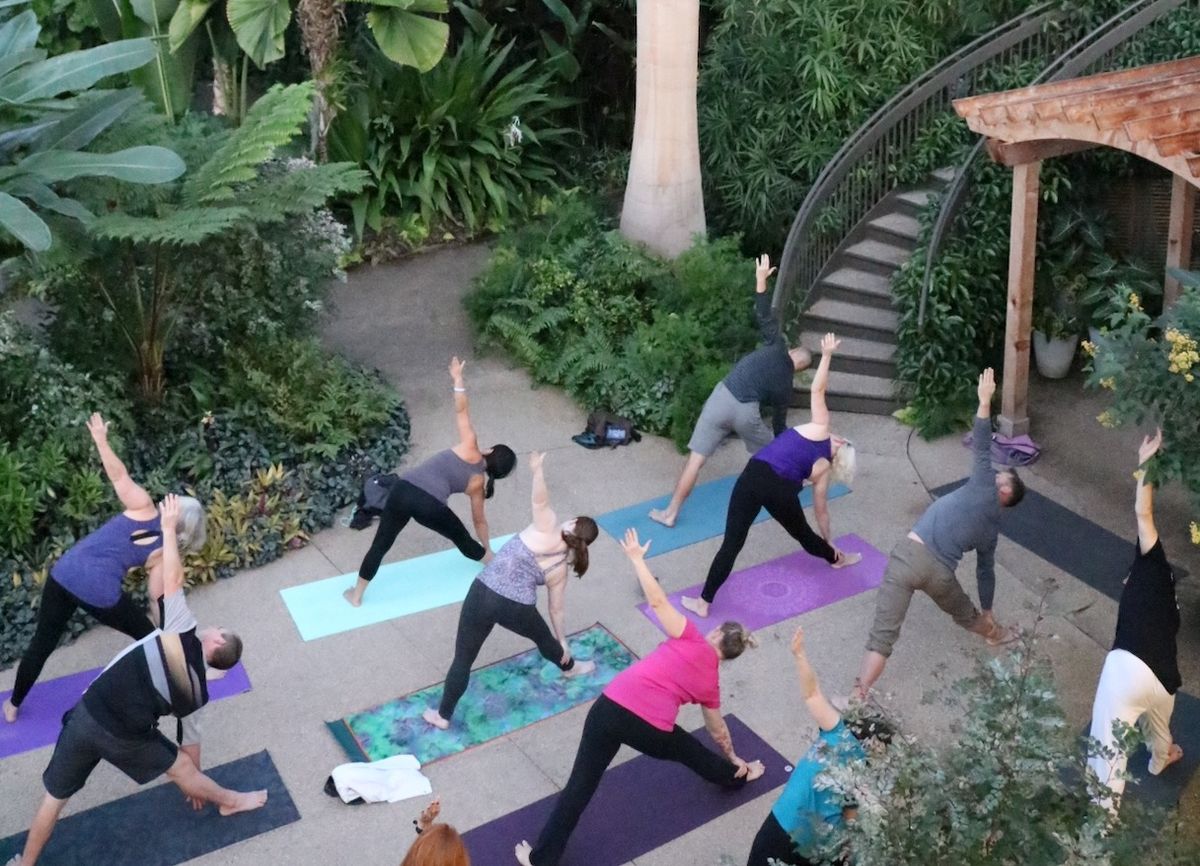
(639, 707)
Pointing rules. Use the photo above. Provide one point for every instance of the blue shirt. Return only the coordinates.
(801, 808)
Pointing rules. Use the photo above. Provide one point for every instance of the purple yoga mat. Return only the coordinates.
(782, 588)
(42, 712)
(640, 805)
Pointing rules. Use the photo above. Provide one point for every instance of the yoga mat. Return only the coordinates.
(42, 712)
(782, 588)
(156, 826)
(1070, 541)
(398, 589)
(702, 516)
(501, 698)
(640, 805)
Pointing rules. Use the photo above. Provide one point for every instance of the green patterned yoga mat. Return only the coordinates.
(503, 697)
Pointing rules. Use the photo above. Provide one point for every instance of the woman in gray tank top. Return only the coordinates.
(421, 493)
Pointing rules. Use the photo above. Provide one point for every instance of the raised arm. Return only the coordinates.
(1144, 502)
(167, 578)
(673, 622)
(981, 439)
(544, 518)
(768, 322)
(462, 415)
(820, 382)
(133, 498)
(823, 712)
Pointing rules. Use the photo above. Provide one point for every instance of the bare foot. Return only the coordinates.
(845, 560)
(663, 516)
(523, 852)
(245, 801)
(754, 770)
(211, 674)
(1001, 635)
(1174, 754)
(580, 669)
(353, 597)
(11, 711)
(435, 718)
(15, 861)
(698, 606)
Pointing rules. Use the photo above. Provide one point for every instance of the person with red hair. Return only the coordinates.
(437, 844)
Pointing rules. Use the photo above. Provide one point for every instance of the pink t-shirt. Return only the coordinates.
(681, 670)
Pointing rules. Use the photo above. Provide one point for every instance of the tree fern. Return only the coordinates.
(184, 227)
(299, 190)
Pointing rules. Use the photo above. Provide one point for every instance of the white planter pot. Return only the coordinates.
(1054, 355)
(1094, 335)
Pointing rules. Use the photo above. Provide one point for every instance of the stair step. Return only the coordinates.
(916, 199)
(858, 286)
(852, 320)
(877, 256)
(852, 392)
(902, 225)
(856, 355)
(945, 174)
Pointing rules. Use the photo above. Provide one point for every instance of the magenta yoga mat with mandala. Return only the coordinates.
(780, 589)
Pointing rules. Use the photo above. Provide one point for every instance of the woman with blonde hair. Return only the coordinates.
(773, 478)
(90, 573)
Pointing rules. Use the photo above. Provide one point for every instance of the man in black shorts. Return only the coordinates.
(116, 720)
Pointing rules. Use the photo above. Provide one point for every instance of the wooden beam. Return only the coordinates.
(1179, 234)
(1022, 259)
(1162, 124)
(1184, 141)
(1020, 152)
(1114, 112)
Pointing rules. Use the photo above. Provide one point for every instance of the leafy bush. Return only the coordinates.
(584, 309)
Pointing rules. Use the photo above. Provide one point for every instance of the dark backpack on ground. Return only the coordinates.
(372, 499)
(604, 429)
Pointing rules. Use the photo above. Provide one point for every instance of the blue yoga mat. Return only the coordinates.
(398, 589)
(702, 516)
(156, 826)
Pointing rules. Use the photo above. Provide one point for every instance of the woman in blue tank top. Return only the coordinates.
(421, 493)
(90, 573)
(773, 478)
(505, 594)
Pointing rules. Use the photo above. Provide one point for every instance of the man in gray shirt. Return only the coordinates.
(967, 519)
(734, 406)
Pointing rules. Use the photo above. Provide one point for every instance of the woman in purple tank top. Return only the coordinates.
(773, 478)
(421, 493)
(90, 573)
(505, 594)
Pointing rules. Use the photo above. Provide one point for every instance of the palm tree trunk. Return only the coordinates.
(321, 31)
(664, 203)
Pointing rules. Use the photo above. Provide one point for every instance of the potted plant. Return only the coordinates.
(1055, 338)
(1103, 298)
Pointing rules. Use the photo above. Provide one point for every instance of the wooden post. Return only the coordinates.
(1022, 256)
(1179, 234)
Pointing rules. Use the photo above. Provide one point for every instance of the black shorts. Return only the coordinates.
(83, 743)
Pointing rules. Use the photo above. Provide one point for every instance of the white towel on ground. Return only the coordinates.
(390, 780)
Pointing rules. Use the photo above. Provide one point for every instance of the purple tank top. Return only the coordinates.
(514, 572)
(792, 456)
(93, 568)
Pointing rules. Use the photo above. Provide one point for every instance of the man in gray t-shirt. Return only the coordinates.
(967, 519)
(116, 720)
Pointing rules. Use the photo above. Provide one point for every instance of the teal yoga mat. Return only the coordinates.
(702, 516)
(398, 589)
(503, 697)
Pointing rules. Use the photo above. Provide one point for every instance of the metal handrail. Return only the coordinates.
(859, 175)
(1086, 54)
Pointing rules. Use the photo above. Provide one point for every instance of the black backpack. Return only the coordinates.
(604, 429)
(372, 499)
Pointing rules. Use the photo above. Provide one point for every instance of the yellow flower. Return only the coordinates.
(1089, 348)
(1110, 383)
(1188, 377)
(1106, 419)
(1134, 301)
(1195, 527)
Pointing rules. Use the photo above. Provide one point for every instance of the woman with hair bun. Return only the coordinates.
(90, 573)
(505, 594)
(639, 708)
(422, 491)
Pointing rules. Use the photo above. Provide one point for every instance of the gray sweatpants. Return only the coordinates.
(910, 567)
(724, 415)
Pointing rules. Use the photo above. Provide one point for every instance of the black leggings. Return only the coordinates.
(54, 614)
(774, 843)
(407, 501)
(760, 487)
(607, 728)
(484, 609)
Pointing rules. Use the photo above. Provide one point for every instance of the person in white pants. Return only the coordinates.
(1141, 674)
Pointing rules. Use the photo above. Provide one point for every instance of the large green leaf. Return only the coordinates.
(77, 70)
(9, 62)
(22, 223)
(183, 227)
(259, 26)
(142, 164)
(19, 33)
(154, 11)
(77, 130)
(44, 197)
(188, 16)
(409, 39)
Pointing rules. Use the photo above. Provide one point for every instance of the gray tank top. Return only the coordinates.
(514, 572)
(443, 474)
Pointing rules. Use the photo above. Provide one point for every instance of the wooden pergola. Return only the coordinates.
(1151, 111)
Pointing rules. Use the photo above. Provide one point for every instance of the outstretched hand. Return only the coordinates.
(169, 509)
(1149, 446)
(456, 368)
(762, 270)
(535, 460)
(634, 550)
(987, 386)
(98, 427)
(829, 344)
(798, 642)
(429, 814)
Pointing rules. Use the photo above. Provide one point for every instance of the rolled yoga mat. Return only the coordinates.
(780, 589)
(157, 827)
(502, 697)
(42, 712)
(640, 805)
(398, 589)
(702, 516)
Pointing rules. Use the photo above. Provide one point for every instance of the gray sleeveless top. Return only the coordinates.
(443, 474)
(514, 572)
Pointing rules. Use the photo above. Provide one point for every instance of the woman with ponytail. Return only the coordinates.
(505, 594)
(421, 493)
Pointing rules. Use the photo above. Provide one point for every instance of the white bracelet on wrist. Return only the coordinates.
(458, 390)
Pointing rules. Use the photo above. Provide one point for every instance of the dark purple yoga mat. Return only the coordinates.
(42, 712)
(640, 805)
(782, 588)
